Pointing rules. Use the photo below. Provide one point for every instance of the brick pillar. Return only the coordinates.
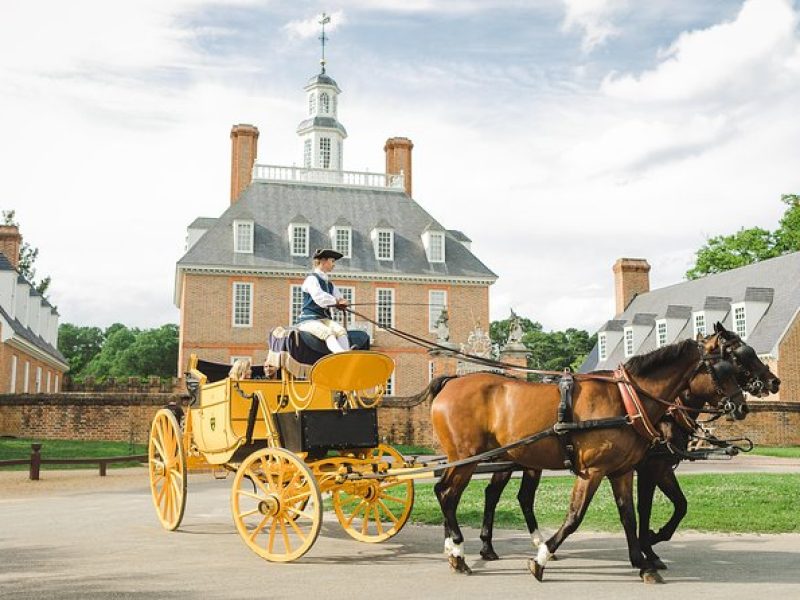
(631, 277)
(515, 354)
(10, 241)
(398, 159)
(244, 146)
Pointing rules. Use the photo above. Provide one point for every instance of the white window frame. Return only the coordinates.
(376, 240)
(434, 308)
(699, 323)
(55, 388)
(237, 286)
(312, 103)
(27, 373)
(740, 320)
(345, 319)
(295, 302)
(38, 380)
(390, 385)
(628, 341)
(602, 346)
(325, 152)
(243, 241)
(48, 382)
(434, 246)
(233, 359)
(661, 334)
(347, 252)
(324, 103)
(13, 387)
(380, 305)
(295, 248)
(307, 153)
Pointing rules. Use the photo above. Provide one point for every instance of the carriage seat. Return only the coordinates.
(297, 351)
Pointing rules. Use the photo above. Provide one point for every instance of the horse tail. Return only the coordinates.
(430, 392)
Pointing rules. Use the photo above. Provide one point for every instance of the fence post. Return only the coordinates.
(36, 461)
(102, 468)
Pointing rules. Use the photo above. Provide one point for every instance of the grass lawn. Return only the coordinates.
(787, 452)
(11, 448)
(741, 502)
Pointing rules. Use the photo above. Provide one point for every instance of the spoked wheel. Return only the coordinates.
(167, 460)
(373, 510)
(276, 504)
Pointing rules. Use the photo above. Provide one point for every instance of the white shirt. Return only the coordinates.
(321, 297)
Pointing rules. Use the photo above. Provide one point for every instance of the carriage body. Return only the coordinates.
(287, 441)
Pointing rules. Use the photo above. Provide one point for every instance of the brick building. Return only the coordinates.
(760, 302)
(242, 271)
(30, 363)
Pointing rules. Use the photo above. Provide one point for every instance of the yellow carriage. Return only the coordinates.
(288, 442)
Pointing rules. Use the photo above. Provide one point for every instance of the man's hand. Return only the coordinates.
(341, 304)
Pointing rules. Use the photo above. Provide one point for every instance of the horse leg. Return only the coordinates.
(526, 496)
(491, 497)
(645, 488)
(668, 483)
(448, 492)
(582, 492)
(622, 486)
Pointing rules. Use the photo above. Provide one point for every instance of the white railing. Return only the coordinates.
(362, 179)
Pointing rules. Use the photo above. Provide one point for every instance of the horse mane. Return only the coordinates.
(646, 363)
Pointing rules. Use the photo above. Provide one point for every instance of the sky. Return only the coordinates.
(559, 135)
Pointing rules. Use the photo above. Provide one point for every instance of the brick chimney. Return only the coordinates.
(398, 158)
(631, 277)
(244, 146)
(10, 241)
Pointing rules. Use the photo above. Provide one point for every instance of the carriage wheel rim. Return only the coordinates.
(167, 469)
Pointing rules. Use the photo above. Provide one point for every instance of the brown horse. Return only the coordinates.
(479, 412)
(657, 468)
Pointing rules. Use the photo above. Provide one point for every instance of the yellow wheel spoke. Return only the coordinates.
(393, 498)
(271, 541)
(299, 533)
(254, 477)
(388, 512)
(247, 513)
(159, 448)
(365, 521)
(249, 494)
(258, 528)
(285, 535)
(356, 510)
(300, 513)
(378, 523)
(296, 499)
(348, 500)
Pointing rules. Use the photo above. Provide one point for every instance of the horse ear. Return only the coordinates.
(718, 327)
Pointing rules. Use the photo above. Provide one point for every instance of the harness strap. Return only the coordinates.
(565, 417)
(633, 406)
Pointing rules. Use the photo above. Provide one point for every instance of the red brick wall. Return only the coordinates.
(769, 424)
(788, 367)
(6, 353)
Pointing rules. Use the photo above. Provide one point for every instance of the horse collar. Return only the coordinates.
(637, 416)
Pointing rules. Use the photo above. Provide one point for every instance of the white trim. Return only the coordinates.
(659, 324)
(248, 241)
(249, 286)
(391, 385)
(428, 238)
(431, 305)
(292, 228)
(38, 380)
(233, 359)
(48, 381)
(699, 314)
(391, 305)
(375, 234)
(628, 336)
(294, 287)
(27, 376)
(13, 387)
(334, 231)
(55, 387)
(602, 346)
(37, 353)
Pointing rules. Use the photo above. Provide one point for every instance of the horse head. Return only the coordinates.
(718, 381)
(753, 375)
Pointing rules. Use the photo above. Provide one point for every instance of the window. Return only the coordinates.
(333, 105)
(384, 244)
(601, 346)
(38, 380)
(243, 237)
(385, 307)
(299, 239)
(699, 324)
(48, 382)
(389, 386)
(342, 240)
(307, 154)
(434, 246)
(661, 334)
(325, 153)
(339, 154)
(431, 370)
(312, 103)
(295, 303)
(55, 388)
(739, 322)
(27, 375)
(235, 358)
(13, 387)
(345, 319)
(628, 342)
(242, 304)
(437, 301)
(324, 102)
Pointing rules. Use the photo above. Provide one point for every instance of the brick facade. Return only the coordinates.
(788, 363)
(7, 354)
(631, 277)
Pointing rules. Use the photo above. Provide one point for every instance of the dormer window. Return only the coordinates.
(628, 342)
(298, 239)
(661, 334)
(243, 237)
(434, 245)
(740, 321)
(602, 349)
(342, 240)
(699, 322)
(312, 104)
(383, 241)
(324, 103)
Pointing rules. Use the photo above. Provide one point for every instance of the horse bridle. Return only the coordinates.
(721, 365)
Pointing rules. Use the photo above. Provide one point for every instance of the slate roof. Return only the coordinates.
(327, 122)
(28, 335)
(272, 206)
(5, 265)
(777, 277)
(203, 223)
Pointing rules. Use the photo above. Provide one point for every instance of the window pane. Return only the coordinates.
(739, 322)
(325, 153)
(437, 300)
(437, 247)
(295, 303)
(300, 240)
(342, 241)
(385, 308)
(244, 237)
(385, 245)
(242, 303)
(342, 317)
(324, 103)
(628, 342)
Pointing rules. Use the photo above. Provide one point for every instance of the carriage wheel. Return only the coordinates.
(373, 510)
(167, 460)
(276, 504)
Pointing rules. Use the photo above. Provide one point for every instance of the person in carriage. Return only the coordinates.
(320, 295)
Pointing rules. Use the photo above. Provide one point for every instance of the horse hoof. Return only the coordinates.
(651, 576)
(489, 554)
(659, 564)
(536, 569)
(459, 565)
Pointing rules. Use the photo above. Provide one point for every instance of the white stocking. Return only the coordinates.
(334, 345)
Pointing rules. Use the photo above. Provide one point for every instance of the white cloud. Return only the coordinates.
(594, 19)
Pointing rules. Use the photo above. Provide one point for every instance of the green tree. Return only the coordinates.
(27, 256)
(747, 246)
(79, 345)
(131, 352)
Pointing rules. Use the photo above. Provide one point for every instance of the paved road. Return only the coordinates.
(76, 535)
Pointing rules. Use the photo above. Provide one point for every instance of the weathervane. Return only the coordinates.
(323, 21)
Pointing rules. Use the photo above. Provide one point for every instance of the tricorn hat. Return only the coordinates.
(321, 253)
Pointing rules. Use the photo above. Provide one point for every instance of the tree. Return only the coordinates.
(747, 246)
(79, 345)
(131, 352)
(27, 257)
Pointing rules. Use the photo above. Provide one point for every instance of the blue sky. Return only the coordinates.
(558, 135)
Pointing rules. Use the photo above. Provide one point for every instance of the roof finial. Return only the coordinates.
(323, 21)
